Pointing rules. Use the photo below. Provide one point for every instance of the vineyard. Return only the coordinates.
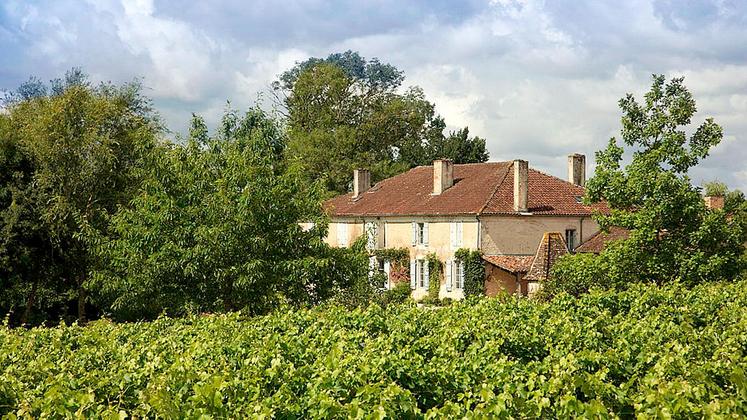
(648, 351)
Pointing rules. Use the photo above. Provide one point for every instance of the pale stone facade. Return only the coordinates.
(500, 209)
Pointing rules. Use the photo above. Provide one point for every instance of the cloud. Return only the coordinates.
(537, 79)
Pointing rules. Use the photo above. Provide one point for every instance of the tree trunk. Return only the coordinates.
(29, 304)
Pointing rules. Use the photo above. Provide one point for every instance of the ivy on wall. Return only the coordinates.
(474, 271)
(434, 276)
(399, 260)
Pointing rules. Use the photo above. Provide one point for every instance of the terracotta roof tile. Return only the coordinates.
(479, 188)
(598, 242)
(511, 263)
(547, 195)
(550, 249)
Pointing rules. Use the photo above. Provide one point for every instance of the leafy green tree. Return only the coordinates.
(28, 267)
(345, 112)
(673, 236)
(215, 227)
(78, 150)
(734, 200)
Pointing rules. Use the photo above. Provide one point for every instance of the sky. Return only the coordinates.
(537, 79)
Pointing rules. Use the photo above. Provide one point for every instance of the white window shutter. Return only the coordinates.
(452, 230)
(342, 234)
(425, 233)
(426, 274)
(448, 275)
(414, 233)
(459, 235)
(413, 274)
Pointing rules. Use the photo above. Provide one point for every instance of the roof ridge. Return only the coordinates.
(558, 178)
(497, 186)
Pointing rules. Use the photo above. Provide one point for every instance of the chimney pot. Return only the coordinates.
(577, 169)
(443, 175)
(361, 182)
(521, 186)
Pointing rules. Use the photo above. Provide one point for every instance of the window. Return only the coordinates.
(454, 275)
(419, 274)
(570, 239)
(459, 274)
(342, 234)
(419, 233)
(456, 235)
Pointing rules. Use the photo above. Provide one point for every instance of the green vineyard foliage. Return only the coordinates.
(644, 352)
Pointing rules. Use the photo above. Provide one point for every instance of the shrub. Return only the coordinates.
(400, 293)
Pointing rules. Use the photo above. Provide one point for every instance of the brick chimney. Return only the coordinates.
(443, 175)
(361, 182)
(521, 185)
(714, 202)
(577, 169)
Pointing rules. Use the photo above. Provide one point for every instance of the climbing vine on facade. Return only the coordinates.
(474, 271)
(435, 267)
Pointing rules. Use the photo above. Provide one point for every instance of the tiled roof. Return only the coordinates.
(479, 188)
(547, 195)
(598, 242)
(511, 263)
(550, 249)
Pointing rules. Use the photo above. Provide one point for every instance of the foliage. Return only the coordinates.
(735, 203)
(215, 227)
(715, 189)
(398, 294)
(576, 275)
(399, 260)
(474, 271)
(646, 352)
(74, 154)
(673, 236)
(365, 287)
(435, 271)
(345, 112)
(400, 256)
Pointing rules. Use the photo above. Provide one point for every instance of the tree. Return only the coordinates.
(673, 236)
(734, 200)
(346, 112)
(215, 227)
(78, 149)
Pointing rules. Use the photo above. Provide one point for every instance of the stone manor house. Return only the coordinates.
(520, 219)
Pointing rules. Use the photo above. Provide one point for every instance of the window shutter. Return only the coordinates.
(413, 268)
(448, 275)
(414, 233)
(426, 274)
(342, 234)
(459, 235)
(453, 229)
(425, 233)
(387, 269)
(461, 274)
